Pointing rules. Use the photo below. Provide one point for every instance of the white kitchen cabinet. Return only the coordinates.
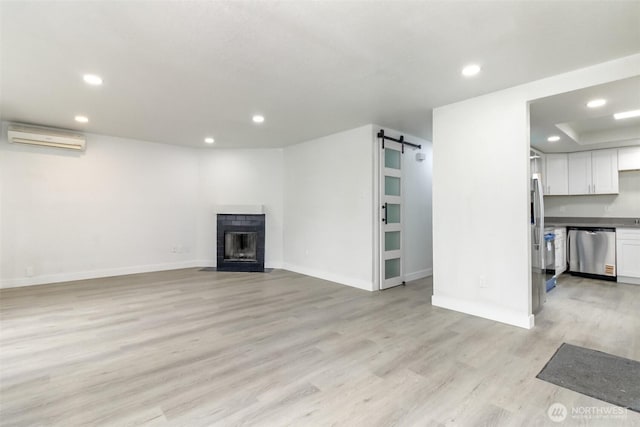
(537, 162)
(556, 178)
(593, 172)
(604, 171)
(629, 158)
(628, 255)
(561, 250)
(580, 173)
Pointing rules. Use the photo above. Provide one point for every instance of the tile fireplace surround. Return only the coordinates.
(240, 242)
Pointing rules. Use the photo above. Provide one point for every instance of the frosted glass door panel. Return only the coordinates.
(392, 268)
(392, 159)
(392, 241)
(391, 186)
(390, 220)
(393, 213)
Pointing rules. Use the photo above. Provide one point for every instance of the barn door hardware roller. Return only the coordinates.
(401, 140)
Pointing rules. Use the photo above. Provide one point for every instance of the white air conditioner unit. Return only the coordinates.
(21, 134)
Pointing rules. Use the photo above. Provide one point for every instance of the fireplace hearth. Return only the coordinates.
(240, 242)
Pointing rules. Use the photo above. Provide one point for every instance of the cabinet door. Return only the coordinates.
(555, 183)
(604, 171)
(561, 250)
(629, 158)
(629, 258)
(580, 173)
(628, 252)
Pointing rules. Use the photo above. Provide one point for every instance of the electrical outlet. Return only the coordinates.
(29, 271)
(483, 282)
(174, 249)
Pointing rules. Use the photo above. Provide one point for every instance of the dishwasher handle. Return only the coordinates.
(568, 248)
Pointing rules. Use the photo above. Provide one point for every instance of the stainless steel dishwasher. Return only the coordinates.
(592, 252)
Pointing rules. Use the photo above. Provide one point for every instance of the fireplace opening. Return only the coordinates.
(240, 246)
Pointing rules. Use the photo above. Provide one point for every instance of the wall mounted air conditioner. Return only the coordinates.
(22, 134)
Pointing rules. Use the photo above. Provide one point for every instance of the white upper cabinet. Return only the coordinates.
(629, 158)
(604, 171)
(580, 173)
(593, 172)
(555, 179)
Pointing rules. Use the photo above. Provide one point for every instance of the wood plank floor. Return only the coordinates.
(196, 348)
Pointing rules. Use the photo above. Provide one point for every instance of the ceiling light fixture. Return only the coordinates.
(209, 140)
(258, 118)
(626, 114)
(471, 70)
(595, 103)
(553, 138)
(92, 79)
(82, 119)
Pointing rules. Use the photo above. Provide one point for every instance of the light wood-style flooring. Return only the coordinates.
(194, 348)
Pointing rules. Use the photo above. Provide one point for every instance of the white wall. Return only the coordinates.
(623, 205)
(120, 207)
(241, 177)
(332, 212)
(124, 206)
(328, 199)
(480, 195)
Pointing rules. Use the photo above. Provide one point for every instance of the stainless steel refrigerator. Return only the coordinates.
(538, 264)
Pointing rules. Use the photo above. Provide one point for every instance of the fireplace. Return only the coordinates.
(240, 242)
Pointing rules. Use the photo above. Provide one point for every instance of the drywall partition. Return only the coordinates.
(481, 193)
(328, 199)
(416, 185)
(123, 206)
(241, 177)
(624, 204)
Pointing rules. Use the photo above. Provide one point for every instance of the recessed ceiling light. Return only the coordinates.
(627, 114)
(209, 140)
(258, 118)
(471, 70)
(595, 103)
(82, 119)
(92, 79)
(553, 138)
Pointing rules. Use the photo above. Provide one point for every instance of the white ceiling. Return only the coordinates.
(176, 72)
(581, 128)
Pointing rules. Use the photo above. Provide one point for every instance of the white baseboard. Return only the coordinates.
(485, 310)
(275, 265)
(343, 280)
(94, 274)
(418, 275)
(629, 280)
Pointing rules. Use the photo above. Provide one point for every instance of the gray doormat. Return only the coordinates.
(603, 376)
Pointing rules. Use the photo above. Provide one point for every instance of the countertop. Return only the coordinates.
(561, 221)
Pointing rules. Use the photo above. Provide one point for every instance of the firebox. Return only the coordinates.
(240, 242)
(240, 246)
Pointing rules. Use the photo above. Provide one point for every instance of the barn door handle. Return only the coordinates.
(384, 218)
